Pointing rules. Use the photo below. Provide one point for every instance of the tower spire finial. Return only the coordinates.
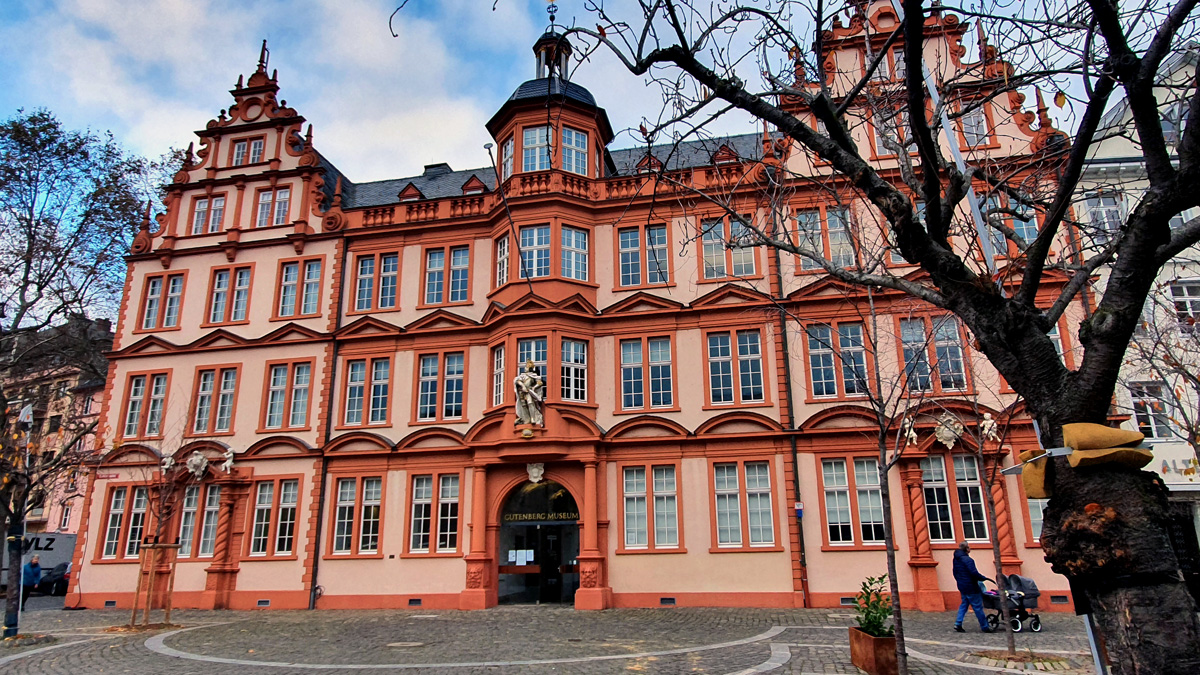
(552, 10)
(264, 55)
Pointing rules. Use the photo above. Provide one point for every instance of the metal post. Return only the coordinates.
(1101, 669)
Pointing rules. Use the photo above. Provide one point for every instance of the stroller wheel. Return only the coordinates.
(993, 621)
(1035, 624)
(1016, 624)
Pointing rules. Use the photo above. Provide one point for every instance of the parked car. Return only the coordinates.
(55, 581)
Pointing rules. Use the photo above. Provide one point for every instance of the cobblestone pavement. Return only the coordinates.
(503, 640)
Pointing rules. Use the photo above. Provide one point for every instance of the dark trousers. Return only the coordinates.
(25, 591)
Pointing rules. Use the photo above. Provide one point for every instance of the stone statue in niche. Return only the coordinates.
(529, 386)
(535, 471)
(949, 430)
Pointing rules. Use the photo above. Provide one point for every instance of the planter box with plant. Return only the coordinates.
(873, 641)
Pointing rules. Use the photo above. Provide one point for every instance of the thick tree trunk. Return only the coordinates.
(997, 558)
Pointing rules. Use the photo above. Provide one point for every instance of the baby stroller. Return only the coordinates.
(1022, 598)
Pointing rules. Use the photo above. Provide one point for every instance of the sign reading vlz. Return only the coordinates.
(40, 544)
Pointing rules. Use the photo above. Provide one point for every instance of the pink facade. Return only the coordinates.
(355, 346)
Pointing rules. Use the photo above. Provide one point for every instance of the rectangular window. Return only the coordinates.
(287, 395)
(436, 291)
(223, 384)
(741, 259)
(356, 391)
(506, 158)
(187, 519)
(810, 237)
(575, 151)
(1105, 215)
(639, 376)
(501, 261)
(713, 244)
(160, 309)
(870, 500)
(752, 496)
(229, 298)
(829, 238)
(916, 354)
(1036, 508)
(357, 508)
(364, 283)
(285, 531)
(144, 409)
(208, 216)
(532, 349)
(841, 242)
(264, 502)
(256, 150)
(535, 252)
(648, 243)
(239, 153)
(974, 125)
(837, 501)
(970, 498)
(1150, 409)
(208, 527)
(112, 529)
(430, 380)
(498, 387)
(422, 514)
(947, 345)
(389, 269)
(575, 254)
(64, 521)
(721, 256)
(273, 207)
(535, 149)
(821, 362)
(721, 360)
(1185, 295)
(447, 535)
(299, 296)
(574, 370)
(651, 507)
(937, 499)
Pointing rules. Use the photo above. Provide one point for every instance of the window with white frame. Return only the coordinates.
(916, 354)
(274, 528)
(1037, 508)
(273, 206)
(713, 245)
(535, 252)
(1185, 295)
(974, 124)
(748, 364)
(870, 500)
(937, 499)
(646, 367)
(442, 372)
(239, 153)
(422, 513)
(501, 261)
(426, 502)
(137, 521)
(648, 243)
(220, 384)
(163, 296)
(735, 497)
(532, 349)
(651, 507)
(264, 504)
(364, 283)
(810, 237)
(189, 509)
(389, 270)
(208, 216)
(575, 151)
(574, 370)
(112, 528)
(288, 388)
(535, 148)
(447, 535)
(970, 497)
(841, 243)
(836, 482)
(498, 379)
(356, 390)
(436, 291)
(947, 344)
(147, 394)
(575, 254)
(1150, 409)
(827, 359)
(208, 522)
(299, 296)
(256, 150)
(357, 508)
(64, 520)
(229, 298)
(506, 158)
(1105, 215)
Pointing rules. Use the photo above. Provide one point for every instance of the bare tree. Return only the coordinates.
(758, 59)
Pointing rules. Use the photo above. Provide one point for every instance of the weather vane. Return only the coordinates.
(551, 9)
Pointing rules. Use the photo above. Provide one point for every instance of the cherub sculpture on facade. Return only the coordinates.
(196, 464)
(227, 465)
(987, 428)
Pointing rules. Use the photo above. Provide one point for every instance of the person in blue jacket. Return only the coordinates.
(968, 578)
(31, 574)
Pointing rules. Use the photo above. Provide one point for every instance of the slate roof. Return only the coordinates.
(439, 180)
(553, 86)
(689, 153)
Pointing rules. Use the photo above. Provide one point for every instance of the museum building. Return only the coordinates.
(471, 387)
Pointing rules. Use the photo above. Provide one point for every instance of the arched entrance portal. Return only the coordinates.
(539, 545)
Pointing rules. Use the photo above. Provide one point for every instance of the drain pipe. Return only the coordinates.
(791, 412)
(315, 589)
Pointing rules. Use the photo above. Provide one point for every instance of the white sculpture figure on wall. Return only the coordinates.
(227, 465)
(987, 428)
(196, 464)
(167, 463)
(528, 386)
(909, 431)
(535, 471)
(949, 430)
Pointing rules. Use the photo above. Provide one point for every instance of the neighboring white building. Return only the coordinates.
(1159, 393)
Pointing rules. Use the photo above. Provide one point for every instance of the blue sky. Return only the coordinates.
(153, 71)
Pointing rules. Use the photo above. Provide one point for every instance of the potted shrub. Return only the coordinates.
(873, 641)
